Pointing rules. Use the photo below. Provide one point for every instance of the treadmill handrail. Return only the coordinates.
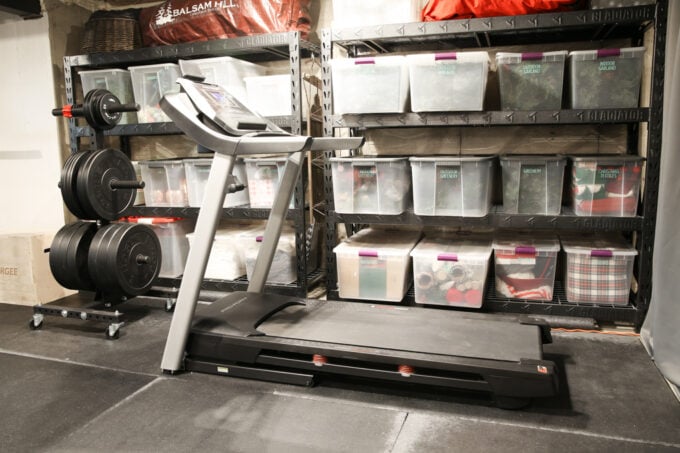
(177, 105)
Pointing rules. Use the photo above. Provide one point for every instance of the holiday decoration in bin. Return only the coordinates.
(606, 186)
(605, 78)
(525, 265)
(375, 264)
(599, 269)
(532, 184)
(531, 80)
(451, 270)
(371, 185)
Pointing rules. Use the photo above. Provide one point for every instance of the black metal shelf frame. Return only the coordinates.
(586, 25)
(279, 46)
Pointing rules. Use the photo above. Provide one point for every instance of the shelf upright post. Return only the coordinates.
(652, 166)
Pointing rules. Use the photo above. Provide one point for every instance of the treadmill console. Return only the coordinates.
(223, 109)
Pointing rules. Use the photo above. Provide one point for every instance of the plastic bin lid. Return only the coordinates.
(390, 60)
(379, 243)
(366, 159)
(104, 71)
(608, 159)
(518, 57)
(526, 244)
(446, 159)
(161, 163)
(454, 248)
(266, 77)
(533, 158)
(154, 66)
(452, 56)
(623, 52)
(598, 246)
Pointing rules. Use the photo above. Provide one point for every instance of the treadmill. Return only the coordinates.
(257, 335)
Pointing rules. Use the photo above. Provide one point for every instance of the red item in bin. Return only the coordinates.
(463, 9)
(151, 220)
(178, 21)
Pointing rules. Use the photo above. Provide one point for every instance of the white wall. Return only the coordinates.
(29, 144)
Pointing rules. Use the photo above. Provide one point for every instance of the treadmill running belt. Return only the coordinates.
(414, 329)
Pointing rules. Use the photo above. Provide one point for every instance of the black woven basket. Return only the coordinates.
(109, 31)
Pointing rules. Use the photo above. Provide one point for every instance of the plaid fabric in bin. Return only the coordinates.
(598, 279)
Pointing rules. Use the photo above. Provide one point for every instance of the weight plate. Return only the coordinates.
(125, 259)
(68, 257)
(80, 183)
(94, 184)
(135, 258)
(98, 272)
(67, 183)
(103, 103)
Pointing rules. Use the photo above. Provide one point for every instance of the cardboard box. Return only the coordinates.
(25, 276)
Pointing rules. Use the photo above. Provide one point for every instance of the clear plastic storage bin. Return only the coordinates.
(363, 185)
(453, 186)
(606, 186)
(532, 184)
(271, 95)
(450, 81)
(599, 270)
(605, 78)
(284, 265)
(172, 234)
(375, 264)
(117, 81)
(525, 266)
(227, 254)
(226, 72)
(264, 176)
(165, 183)
(451, 271)
(149, 84)
(359, 13)
(197, 172)
(370, 85)
(532, 80)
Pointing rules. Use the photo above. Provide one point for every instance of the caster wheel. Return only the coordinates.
(33, 326)
(110, 336)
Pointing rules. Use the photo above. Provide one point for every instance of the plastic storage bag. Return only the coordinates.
(178, 21)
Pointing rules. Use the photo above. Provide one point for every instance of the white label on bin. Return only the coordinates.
(609, 65)
(534, 68)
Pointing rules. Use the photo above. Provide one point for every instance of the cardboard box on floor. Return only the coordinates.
(25, 276)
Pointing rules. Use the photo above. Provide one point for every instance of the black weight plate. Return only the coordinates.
(68, 255)
(98, 272)
(94, 179)
(102, 103)
(68, 183)
(132, 242)
(57, 256)
(80, 184)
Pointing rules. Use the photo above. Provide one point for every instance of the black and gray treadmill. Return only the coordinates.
(252, 334)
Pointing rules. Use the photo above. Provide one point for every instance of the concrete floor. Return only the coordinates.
(65, 388)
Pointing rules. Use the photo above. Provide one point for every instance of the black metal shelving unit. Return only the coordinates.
(260, 48)
(577, 26)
